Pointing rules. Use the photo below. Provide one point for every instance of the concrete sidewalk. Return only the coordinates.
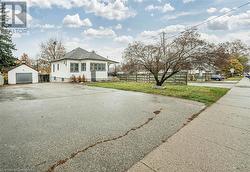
(217, 140)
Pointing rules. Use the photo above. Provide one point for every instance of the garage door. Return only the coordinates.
(23, 78)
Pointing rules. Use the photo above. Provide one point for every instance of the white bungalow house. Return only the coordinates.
(79, 62)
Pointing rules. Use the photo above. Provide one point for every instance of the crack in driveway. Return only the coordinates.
(63, 161)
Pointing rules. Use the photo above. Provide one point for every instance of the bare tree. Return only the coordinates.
(165, 58)
(240, 51)
(236, 48)
(130, 67)
(50, 50)
(224, 52)
(113, 71)
(25, 59)
(221, 56)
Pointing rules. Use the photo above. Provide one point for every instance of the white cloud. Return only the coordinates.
(242, 35)
(16, 35)
(152, 36)
(99, 33)
(75, 21)
(211, 10)
(138, 1)
(188, 1)
(45, 26)
(240, 21)
(124, 39)
(177, 15)
(219, 23)
(230, 22)
(73, 42)
(112, 53)
(112, 10)
(166, 8)
(48, 26)
(118, 26)
(49, 3)
(225, 10)
(210, 37)
(150, 7)
(167, 30)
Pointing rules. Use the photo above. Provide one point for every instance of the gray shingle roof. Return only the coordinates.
(81, 54)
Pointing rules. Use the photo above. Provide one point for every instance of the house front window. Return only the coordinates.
(98, 66)
(83, 67)
(74, 67)
(53, 67)
(57, 66)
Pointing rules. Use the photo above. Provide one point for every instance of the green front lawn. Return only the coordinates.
(207, 95)
(235, 78)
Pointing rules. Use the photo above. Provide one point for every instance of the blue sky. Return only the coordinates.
(107, 26)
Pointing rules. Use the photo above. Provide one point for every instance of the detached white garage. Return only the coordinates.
(22, 74)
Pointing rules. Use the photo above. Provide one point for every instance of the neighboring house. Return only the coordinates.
(79, 62)
(22, 74)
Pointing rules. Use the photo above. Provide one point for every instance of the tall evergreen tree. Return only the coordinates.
(6, 44)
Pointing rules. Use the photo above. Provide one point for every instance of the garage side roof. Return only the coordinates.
(81, 54)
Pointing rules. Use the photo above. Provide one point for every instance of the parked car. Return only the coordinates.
(248, 76)
(217, 77)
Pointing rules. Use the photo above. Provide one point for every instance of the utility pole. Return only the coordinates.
(37, 65)
(54, 43)
(163, 42)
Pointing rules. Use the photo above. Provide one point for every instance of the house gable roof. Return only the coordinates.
(14, 67)
(81, 54)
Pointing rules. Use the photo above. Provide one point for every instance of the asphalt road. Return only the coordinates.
(66, 127)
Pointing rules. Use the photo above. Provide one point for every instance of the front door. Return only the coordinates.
(93, 76)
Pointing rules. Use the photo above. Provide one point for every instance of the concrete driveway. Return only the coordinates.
(66, 127)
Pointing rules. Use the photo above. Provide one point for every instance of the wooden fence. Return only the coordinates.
(196, 77)
(179, 78)
(43, 78)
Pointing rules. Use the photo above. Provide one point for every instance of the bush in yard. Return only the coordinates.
(115, 79)
(79, 78)
(83, 78)
(73, 78)
(5, 77)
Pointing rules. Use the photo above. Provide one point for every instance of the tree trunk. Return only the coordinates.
(158, 83)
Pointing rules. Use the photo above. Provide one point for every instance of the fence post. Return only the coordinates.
(136, 77)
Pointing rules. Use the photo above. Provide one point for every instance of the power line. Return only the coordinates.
(234, 9)
(207, 21)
